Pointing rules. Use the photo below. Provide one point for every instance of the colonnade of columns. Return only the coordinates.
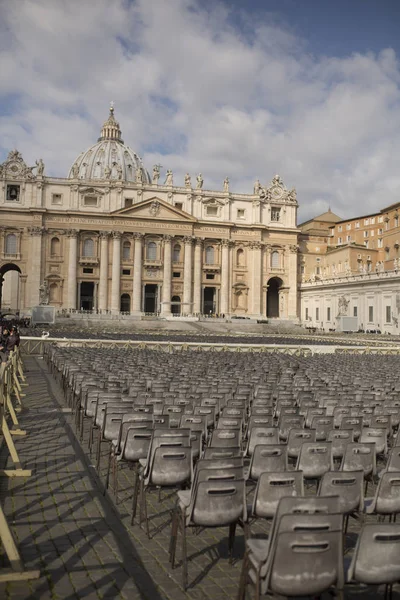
(191, 300)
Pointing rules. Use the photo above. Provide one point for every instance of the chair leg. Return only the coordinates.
(232, 530)
(135, 498)
(184, 554)
(144, 496)
(110, 458)
(98, 451)
(174, 535)
(243, 578)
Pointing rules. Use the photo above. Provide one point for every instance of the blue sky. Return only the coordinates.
(308, 89)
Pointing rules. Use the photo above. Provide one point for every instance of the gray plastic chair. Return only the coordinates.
(307, 564)
(261, 435)
(340, 438)
(271, 488)
(376, 558)
(315, 459)
(393, 463)
(225, 438)
(360, 457)
(213, 504)
(296, 439)
(266, 459)
(349, 487)
(376, 436)
(386, 501)
(255, 563)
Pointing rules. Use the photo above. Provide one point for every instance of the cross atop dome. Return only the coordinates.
(110, 129)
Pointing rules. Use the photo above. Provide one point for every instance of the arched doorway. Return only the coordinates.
(10, 286)
(176, 305)
(274, 285)
(125, 305)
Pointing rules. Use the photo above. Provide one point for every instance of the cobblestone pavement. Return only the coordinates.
(83, 542)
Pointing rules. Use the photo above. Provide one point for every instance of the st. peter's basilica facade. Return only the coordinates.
(112, 237)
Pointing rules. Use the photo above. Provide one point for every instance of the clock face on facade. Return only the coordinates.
(276, 192)
(15, 168)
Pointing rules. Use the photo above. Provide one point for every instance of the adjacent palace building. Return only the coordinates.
(113, 238)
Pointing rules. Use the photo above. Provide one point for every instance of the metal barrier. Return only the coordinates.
(36, 346)
(11, 381)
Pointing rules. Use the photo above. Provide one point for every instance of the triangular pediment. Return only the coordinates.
(155, 209)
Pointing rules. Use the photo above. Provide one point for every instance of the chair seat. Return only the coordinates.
(184, 498)
(257, 551)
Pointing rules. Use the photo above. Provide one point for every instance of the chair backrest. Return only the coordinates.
(315, 459)
(376, 436)
(387, 496)
(136, 444)
(218, 503)
(393, 463)
(268, 458)
(272, 487)
(340, 438)
(225, 438)
(288, 422)
(354, 423)
(360, 457)
(306, 564)
(170, 466)
(296, 439)
(314, 412)
(376, 556)
(348, 486)
(322, 426)
(261, 435)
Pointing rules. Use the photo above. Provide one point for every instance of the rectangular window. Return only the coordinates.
(56, 199)
(358, 225)
(396, 221)
(380, 231)
(348, 238)
(355, 311)
(87, 270)
(348, 226)
(210, 276)
(240, 213)
(317, 314)
(372, 232)
(366, 221)
(302, 269)
(370, 314)
(388, 314)
(318, 271)
(176, 274)
(212, 211)
(328, 313)
(339, 241)
(380, 219)
(128, 202)
(13, 193)
(306, 313)
(90, 201)
(179, 205)
(339, 228)
(126, 271)
(380, 243)
(275, 214)
(372, 221)
(365, 233)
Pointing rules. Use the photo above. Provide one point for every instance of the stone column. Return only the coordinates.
(103, 283)
(116, 272)
(34, 265)
(291, 270)
(22, 292)
(224, 306)
(72, 268)
(256, 283)
(198, 250)
(137, 274)
(166, 287)
(187, 276)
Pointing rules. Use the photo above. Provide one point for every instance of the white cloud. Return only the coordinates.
(196, 93)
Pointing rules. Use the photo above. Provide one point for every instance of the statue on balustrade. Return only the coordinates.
(44, 294)
(200, 181)
(169, 179)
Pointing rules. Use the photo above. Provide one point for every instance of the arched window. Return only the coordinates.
(240, 258)
(151, 251)
(55, 246)
(11, 243)
(275, 262)
(53, 292)
(126, 251)
(176, 255)
(209, 255)
(88, 248)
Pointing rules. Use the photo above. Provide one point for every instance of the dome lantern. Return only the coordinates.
(110, 129)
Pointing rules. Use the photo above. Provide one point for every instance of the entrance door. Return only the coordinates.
(125, 303)
(176, 305)
(87, 295)
(209, 300)
(150, 298)
(274, 285)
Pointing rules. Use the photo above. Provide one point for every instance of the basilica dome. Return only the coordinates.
(110, 158)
